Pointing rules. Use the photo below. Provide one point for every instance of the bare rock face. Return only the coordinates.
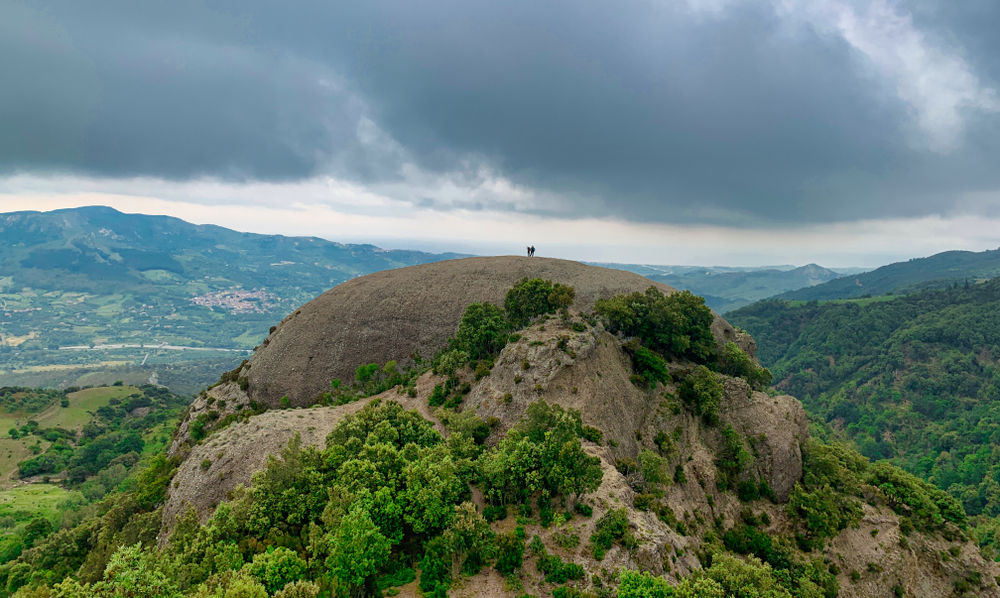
(588, 371)
(391, 315)
(775, 428)
(231, 456)
(725, 332)
(583, 370)
(217, 402)
(885, 558)
(591, 374)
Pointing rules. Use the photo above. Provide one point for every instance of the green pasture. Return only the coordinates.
(12, 452)
(81, 403)
(161, 276)
(157, 439)
(42, 499)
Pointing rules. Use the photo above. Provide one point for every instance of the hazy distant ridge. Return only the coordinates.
(728, 288)
(935, 271)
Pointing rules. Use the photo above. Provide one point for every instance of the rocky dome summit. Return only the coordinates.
(395, 314)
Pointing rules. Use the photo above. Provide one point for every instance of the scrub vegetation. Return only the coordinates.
(388, 501)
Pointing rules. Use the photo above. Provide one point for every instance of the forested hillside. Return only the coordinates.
(914, 379)
(726, 291)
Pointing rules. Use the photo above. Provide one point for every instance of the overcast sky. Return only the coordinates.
(734, 132)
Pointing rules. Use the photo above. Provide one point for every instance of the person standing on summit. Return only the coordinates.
(531, 251)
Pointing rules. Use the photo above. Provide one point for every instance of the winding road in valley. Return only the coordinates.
(153, 347)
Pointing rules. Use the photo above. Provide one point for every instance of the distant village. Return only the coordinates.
(238, 301)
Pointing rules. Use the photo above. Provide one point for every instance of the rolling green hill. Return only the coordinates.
(936, 271)
(93, 287)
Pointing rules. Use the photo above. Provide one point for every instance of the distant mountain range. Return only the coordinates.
(97, 279)
(90, 291)
(86, 249)
(934, 272)
(729, 288)
(726, 289)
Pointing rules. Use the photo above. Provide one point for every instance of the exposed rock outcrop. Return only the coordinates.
(393, 314)
(591, 373)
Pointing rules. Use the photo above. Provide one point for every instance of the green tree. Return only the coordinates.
(732, 458)
(702, 391)
(533, 297)
(727, 577)
(364, 373)
(39, 527)
(483, 331)
(510, 552)
(654, 468)
(391, 369)
(447, 362)
(562, 296)
(822, 511)
(468, 533)
(635, 584)
(567, 469)
(435, 571)
(131, 573)
(743, 579)
(385, 512)
(299, 589)
(734, 361)
(678, 325)
(649, 367)
(243, 585)
(359, 550)
(511, 468)
(277, 567)
(432, 487)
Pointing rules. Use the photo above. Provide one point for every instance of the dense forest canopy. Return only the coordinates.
(913, 378)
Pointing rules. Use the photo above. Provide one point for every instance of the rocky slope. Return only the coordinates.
(581, 367)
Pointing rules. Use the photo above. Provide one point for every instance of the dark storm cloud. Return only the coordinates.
(650, 112)
(142, 89)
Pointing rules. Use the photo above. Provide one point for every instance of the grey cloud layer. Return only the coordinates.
(646, 111)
